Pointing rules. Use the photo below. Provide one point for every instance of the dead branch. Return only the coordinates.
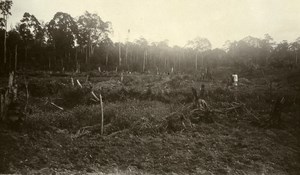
(94, 100)
(94, 95)
(250, 113)
(79, 84)
(232, 108)
(117, 132)
(72, 82)
(53, 104)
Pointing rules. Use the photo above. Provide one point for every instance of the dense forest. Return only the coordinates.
(84, 43)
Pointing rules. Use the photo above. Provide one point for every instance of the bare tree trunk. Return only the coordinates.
(69, 58)
(4, 47)
(86, 55)
(62, 64)
(9, 64)
(165, 62)
(16, 57)
(76, 59)
(120, 58)
(196, 61)
(183, 56)
(49, 63)
(25, 57)
(131, 58)
(106, 59)
(202, 60)
(92, 50)
(144, 61)
(126, 54)
(146, 58)
(296, 58)
(102, 116)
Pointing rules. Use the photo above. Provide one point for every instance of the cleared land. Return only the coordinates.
(150, 126)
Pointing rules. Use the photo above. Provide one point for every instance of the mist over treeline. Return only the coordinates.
(83, 43)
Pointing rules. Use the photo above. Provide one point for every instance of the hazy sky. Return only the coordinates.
(179, 20)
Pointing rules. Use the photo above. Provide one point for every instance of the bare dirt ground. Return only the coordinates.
(148, 127)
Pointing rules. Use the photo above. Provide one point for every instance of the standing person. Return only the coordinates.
(235, 80)
(235, 85)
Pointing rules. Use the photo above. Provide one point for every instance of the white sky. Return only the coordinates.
(179, 20)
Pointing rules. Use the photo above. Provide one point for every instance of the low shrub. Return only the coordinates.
(72, 97)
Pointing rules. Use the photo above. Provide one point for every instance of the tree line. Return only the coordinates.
(83, 43)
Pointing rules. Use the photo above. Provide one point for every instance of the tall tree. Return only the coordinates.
(267, 45)
(281, 54)
(92, 30)
(108, 43)
(199, 45)
(163, 47)
(13, 40)
(5, 7)
(31, 31)
(143, 44)
(295, 47)
(62, 32)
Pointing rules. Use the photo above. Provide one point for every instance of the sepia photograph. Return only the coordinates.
(150, 87)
